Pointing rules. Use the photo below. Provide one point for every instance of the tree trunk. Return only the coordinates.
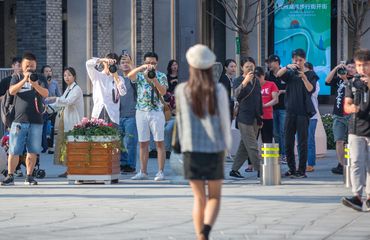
(244, 46)
(356, 41)
(242, 20)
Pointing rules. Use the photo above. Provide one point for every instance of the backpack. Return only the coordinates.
(7, 109)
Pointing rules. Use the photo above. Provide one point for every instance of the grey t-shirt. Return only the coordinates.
(128, 102)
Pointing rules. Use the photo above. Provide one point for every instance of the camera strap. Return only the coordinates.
(37, 106)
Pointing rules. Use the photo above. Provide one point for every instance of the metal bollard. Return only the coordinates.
(347, 168)
(270, 171)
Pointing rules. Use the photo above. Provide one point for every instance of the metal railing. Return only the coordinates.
(4, 72)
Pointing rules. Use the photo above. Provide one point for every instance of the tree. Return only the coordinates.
(355, 19)
(245, 15)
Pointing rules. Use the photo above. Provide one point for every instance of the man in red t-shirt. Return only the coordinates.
(270, 97)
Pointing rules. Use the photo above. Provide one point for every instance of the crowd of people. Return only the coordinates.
(278, 104)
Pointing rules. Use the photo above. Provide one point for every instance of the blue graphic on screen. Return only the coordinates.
(306, 25)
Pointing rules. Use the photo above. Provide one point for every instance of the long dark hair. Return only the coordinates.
(227, 63)
(169, 65)
(202, 91)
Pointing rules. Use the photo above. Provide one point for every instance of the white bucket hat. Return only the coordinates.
(200, 57)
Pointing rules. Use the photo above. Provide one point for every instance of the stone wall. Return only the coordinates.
(54, 38)
(104, 27)
(144, 28)
(31, 29)
(10, 36)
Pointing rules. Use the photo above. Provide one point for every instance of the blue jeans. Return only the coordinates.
(130, 139)
(279, 131)
(168, 127)
(311, 156)
(25, 135)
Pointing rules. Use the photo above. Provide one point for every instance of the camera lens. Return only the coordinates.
(296, 71)
(34, 77)
(112, 68)
(342, 71)
(151, 74)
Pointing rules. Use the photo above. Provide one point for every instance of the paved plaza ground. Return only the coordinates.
(298, 209)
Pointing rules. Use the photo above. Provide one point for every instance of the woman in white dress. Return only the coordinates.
(71, 112)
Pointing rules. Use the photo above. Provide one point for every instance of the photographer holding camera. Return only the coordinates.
(338, 78)
(301, 84)
(107, 87)
(151, 86)
(28, 90)
(357, 104)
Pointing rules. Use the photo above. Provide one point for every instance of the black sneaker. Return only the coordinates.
(30, 180)
(300, 174)
(353, 202)
(9, 180)
(367, 205)
(127, 169)
(235, 174)
(338, 169)
(168, 154)
(289, 174)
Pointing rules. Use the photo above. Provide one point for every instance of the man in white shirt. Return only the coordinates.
(107, 88)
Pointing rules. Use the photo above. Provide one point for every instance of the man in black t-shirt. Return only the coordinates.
(299, 107)
(279, 109)
(338, 79)
(26, 129)
(357, 104)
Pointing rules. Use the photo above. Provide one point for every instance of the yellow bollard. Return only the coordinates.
(347, 168)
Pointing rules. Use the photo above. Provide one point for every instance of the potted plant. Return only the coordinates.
(93, 152)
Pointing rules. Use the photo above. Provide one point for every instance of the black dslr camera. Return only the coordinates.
(151, 73)
(359, 90)
(342, 71)
(34, 77)
(296, 71)
(113, 68)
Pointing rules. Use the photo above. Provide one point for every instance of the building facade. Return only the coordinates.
(68, 32)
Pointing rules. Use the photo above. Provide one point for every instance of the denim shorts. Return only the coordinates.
(340, 127)
(25, 136)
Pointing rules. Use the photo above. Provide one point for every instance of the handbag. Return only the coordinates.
(237, 104)
(166, 107)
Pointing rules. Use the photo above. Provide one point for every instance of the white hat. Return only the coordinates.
(200, 56)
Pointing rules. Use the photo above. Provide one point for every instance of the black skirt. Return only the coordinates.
(203, 166)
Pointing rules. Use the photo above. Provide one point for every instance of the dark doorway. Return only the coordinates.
(2, 53)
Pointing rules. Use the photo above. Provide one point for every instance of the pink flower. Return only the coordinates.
(84, 121)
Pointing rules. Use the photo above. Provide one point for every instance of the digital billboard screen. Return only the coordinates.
(305, 24)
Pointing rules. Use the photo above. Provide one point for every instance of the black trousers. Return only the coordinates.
(267, 130)
(296, 124)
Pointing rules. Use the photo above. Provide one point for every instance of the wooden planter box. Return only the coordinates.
(94, 160)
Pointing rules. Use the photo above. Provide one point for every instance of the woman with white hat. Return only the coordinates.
(204, 135)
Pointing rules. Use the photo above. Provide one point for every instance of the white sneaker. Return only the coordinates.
(159, 176)
(140, 176)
